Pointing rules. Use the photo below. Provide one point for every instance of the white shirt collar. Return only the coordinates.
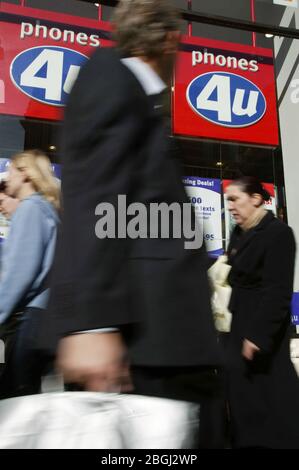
(147, 77)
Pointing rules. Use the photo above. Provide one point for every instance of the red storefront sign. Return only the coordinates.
(221, 91)
(225, 91)
(40, 60)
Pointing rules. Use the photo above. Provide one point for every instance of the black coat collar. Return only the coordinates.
(241, 239)
(266, 220)
(269, 217)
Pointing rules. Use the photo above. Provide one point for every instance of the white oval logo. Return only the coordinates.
(47, 73)
(226, 99)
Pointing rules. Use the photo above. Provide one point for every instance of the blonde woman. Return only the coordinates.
(27, 259)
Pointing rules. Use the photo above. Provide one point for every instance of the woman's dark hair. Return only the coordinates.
(251, 185)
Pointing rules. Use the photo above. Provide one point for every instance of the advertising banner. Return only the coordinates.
(40, 63)
(205, 195)
(295, 309)
(225, 91)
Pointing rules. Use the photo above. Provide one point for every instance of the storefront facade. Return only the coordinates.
(233, 92)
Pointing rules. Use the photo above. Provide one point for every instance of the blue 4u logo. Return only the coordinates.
(47, 73)
(226, 99)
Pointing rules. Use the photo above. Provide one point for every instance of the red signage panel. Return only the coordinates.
(225, 91)
(40, 61)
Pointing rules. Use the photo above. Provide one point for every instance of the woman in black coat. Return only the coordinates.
(263, 384)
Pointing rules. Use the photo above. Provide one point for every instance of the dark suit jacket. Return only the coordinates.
(115, 142)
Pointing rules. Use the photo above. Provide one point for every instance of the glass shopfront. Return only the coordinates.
(33, 33)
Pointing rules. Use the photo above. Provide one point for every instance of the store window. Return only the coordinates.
(72, 7)
(271, 13)
(18, 134)
(224, 162)
(233, 9)
(107, 13)
(216, 150)
(16, 2)
(218, 32)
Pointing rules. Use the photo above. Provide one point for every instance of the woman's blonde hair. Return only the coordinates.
(37, 167)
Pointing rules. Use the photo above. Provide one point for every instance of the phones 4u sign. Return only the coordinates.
(222, 91)
(226, 92)
(40, 62)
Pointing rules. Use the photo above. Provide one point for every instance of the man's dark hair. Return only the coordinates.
(141, 26)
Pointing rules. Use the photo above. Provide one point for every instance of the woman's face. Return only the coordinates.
(8, 205)
(241, 205)
(15, 181)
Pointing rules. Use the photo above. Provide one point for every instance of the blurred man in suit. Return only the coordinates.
(133, 313)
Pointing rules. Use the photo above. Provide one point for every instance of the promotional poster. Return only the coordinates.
(205, 195)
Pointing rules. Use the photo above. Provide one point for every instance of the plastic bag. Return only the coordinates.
(221, 293)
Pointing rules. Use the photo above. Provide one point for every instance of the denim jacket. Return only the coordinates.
(27, 255)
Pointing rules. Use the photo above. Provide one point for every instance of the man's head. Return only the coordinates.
(148, 29)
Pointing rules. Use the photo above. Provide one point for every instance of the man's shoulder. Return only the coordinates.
(105, 54)
(105, 62)
(105, 75)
